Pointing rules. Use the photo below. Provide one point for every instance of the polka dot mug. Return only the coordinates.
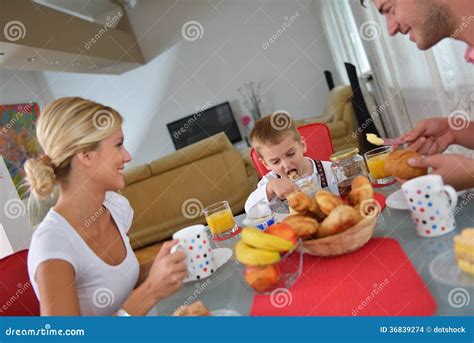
(194, 241)
(431, 205)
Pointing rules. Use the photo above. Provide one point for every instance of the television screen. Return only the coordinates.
(203, 124)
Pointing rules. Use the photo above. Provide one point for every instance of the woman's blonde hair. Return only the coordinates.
(66, 127)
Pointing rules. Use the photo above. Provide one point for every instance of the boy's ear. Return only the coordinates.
(304, 147)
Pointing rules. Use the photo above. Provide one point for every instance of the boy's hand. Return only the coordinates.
(280, 188)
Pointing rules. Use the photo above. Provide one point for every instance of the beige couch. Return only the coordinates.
(339, 116)
(169, 193)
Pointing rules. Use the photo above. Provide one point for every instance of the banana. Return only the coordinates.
(255, 257)
(258, 239)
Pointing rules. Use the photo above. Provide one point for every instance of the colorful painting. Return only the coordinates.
(18, 139)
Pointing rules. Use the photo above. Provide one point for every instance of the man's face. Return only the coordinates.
(426, 21)
(285, 156)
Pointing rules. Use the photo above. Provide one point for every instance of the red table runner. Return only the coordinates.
(381, 199)
(376, 280)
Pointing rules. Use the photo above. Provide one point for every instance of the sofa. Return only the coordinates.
(340, 118)
(169, 193)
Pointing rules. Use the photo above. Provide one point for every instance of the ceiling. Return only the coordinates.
(79, 36)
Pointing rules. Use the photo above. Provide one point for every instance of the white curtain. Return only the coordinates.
(344, 42)
(413, 84)
(417, 84)
(346, 46)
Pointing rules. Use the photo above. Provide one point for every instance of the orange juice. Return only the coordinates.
(220, 221)
(376, 166)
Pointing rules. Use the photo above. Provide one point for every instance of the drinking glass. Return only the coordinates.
(375, 160)
(221, 221)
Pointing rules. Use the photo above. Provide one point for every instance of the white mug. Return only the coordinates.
(431, 205)
(195, 243)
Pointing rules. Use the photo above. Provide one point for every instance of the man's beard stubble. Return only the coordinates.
(438, 24)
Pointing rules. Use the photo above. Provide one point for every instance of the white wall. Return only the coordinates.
(18, 87)
(185, 75)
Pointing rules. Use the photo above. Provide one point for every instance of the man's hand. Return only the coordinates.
(430, 136)
(280, 188)
(456, 170)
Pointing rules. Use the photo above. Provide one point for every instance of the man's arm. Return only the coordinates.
(464, 137)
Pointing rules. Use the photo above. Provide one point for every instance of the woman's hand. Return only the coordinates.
(167, 271)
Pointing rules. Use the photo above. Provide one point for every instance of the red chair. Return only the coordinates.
(17, 297)
(317, 139)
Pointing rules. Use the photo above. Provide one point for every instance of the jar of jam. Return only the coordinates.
(347, 164)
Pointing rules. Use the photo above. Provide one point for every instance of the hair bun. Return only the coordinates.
(40, 177)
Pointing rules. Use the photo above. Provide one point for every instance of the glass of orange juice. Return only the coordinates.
(375, 160)
(221, 221)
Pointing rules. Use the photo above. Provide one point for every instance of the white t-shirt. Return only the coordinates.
(102, 289)
(260, 194)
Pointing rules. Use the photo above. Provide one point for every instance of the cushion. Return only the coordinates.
(17, 297)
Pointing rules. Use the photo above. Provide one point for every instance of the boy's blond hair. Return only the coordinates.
(273, 129)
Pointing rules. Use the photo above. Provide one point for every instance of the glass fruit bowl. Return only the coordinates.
(264, 279)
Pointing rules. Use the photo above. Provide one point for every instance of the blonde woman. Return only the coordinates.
(80, 260)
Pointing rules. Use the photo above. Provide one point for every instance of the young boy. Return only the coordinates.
(281, 150)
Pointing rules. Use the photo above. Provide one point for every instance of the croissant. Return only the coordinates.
(361, 189)
(303, 225)
(303, 204)
(340, 219)
(327, 201)
(195, 309)
(293, 175)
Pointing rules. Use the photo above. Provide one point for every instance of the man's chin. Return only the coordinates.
(426, 44)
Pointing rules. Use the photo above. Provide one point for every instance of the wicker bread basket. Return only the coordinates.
(344, 242)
